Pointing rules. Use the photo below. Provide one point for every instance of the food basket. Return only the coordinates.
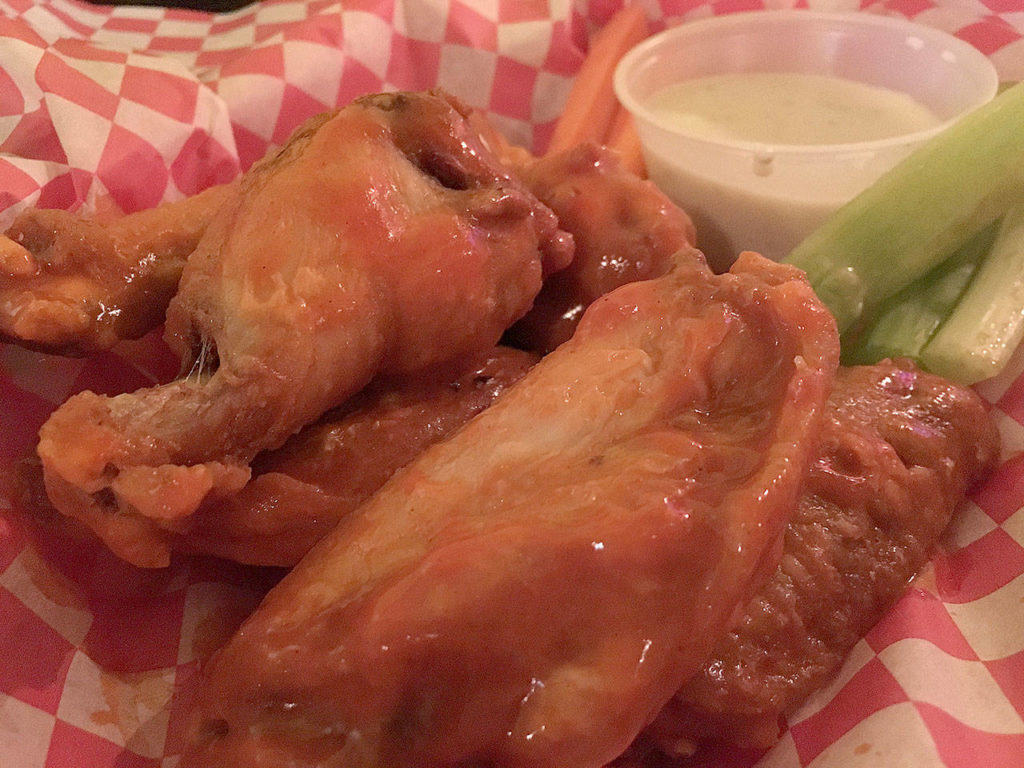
(119, 108)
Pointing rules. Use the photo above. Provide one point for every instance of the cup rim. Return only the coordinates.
(988, 77)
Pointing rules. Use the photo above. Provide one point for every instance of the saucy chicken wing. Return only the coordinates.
(382, 240)
(898, 451)
(73, 285)
(300, 491)
(531, 591)
(624, 228)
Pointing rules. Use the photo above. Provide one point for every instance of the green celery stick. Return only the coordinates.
(906, 321)
(908, 221)
(987, 324)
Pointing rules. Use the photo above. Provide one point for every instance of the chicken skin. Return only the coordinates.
(72, 285)
(898, 451)
(300, 491)
(624, 228)
(382, 240)
(531, 591)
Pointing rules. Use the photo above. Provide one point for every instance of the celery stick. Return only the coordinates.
(909, 220)
(987, 324)
(906, 321)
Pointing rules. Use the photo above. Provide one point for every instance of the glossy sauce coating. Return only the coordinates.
(899, 449)
(74, 285)
(300, 491)
(531, 591)
(624, 229)
(383, 239)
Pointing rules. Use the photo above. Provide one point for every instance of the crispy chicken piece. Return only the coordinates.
(382, 240)
(532, 590)
(77, 290)
(300, 491)
(899, 450)
(73, 285)
(625, 229)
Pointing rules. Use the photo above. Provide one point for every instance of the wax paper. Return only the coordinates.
(106, 109)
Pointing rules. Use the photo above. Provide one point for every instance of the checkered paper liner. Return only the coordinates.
(105, 108)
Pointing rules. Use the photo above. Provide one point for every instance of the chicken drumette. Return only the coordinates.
(74, 285)
(624, 228)
(383, 239)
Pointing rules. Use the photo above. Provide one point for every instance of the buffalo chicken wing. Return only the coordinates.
(300, 491)
(899, 449)
(624, 228)
(531, 591)
(74, 285)
(382, 240)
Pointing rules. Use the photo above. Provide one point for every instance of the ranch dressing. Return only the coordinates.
(789, 108)
(752, 157)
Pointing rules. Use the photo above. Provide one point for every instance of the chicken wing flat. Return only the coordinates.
(382, 240)
(73, 285)
(300, 491)
(531, 591)
(625, 229)
(899, 450)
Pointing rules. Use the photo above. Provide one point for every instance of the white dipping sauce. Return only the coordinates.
(789, 108)
(769, 198)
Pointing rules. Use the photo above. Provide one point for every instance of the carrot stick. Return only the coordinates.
(623, 138)
(590, 105)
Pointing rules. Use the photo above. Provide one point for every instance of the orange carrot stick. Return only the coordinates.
(590, 106)
(623, 138)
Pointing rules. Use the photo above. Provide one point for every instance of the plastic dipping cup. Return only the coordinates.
(758, 196)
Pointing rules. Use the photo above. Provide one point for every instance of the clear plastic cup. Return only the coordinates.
(765, 197)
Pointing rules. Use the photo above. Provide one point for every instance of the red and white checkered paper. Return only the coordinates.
(123, 107)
